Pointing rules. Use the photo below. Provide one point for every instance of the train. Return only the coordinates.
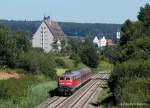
(70, 81)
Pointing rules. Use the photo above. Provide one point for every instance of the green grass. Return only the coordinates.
(60, 71)
(104, 65)
(38, 94)
(105, 99)
(81, 65)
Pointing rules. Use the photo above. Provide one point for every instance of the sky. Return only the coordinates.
(83, 11)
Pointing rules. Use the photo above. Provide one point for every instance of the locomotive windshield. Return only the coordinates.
(67, 78)
(61, 78)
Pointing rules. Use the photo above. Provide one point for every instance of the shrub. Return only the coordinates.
(60, 62)
(69, 63)
(76, 59)
(135, 91)
(89, 55)
(64, 62)
(38, 63)
(16, 88)
(130, 79)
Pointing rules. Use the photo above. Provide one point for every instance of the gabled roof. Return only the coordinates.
(54, 27)
(100, 37)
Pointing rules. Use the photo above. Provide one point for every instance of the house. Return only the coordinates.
(45, 35)
(118, 35)
(96, 41)
(102, 41)
(109, 42)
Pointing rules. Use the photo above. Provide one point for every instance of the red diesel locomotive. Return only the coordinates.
(70, 81)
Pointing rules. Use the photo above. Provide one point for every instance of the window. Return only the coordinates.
(67, 78)
(61, 78)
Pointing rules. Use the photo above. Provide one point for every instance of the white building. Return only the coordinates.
(118, 35)
(100, 42)
(46, 33)
(96, 41)
(103, 41)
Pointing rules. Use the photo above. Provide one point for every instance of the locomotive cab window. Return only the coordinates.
(67, 78)
(61, 78)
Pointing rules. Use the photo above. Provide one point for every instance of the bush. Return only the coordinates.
(130, 79)
(37, 92)
(89, 54)
(64, 62)
(104, 65)
(69, 63)
(38, 63)
(12, 44)
(60, 62)
(135, 91)
(16, 88)
(76, 59)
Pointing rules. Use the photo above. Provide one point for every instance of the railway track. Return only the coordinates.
(80, 98)
(84, 99)
(80, 102)
(56, 103)
(68, 102)
(52, 102)
(64, 100)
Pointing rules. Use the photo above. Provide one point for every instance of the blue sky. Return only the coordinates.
(92, 11)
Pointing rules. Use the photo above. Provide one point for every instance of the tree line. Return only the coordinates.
(16, 52)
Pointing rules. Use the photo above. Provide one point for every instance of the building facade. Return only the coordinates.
(45, 35)
(102, 41)
(96, 41)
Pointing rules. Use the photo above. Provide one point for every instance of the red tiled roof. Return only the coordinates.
(54, 28)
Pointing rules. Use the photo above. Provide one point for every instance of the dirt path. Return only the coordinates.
(4, 75)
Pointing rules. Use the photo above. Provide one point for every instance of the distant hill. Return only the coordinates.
(28, 26)
(69, 28)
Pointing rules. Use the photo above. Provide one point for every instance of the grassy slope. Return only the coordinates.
(38, 94)
(104, 65)
(60, 71)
